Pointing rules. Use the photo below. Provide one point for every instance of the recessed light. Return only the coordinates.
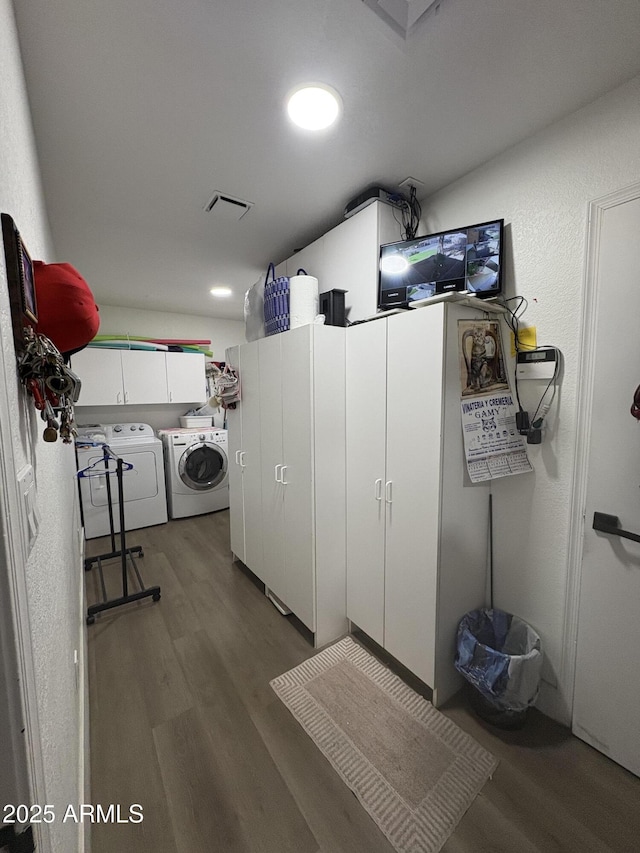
(221, 291)
(314, 106)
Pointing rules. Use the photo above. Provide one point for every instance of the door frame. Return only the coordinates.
(585, 388)
(18, 623)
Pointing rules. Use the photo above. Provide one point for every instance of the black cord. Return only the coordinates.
(553, 381)
(410, 213)
(513, 321)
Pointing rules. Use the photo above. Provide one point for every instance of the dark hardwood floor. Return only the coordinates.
(183, 722)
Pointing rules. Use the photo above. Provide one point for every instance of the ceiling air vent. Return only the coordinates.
(401, 15)
(228, 207)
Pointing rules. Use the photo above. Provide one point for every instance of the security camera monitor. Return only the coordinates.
(462, 259)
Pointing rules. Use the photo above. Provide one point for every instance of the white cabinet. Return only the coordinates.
(143, 377)
(112, 377)
(302, 490)
(186, 381)
(245, 475)
(347, 257)
(100, 372)
(416, 525)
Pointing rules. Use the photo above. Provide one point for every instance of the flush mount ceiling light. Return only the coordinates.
(221, 291)
(314, 106)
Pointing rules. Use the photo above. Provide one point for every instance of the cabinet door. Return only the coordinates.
(144, 377)
(236, 500)
(414, 433)
(365, 460)
(186, 382)
(271, 463)
(100, 371)
(297, 474)
(351, 256)
(251, 459)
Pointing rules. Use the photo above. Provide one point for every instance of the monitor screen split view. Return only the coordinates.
(461, 259)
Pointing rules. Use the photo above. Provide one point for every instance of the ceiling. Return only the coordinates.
(142, 110)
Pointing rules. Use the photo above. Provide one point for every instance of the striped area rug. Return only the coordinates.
(413, 769)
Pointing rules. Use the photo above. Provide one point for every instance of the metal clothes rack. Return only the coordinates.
(126, 554)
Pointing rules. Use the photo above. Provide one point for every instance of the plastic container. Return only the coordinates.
(193, 422)
(500, 656)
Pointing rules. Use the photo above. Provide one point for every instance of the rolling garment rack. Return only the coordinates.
(126, 554)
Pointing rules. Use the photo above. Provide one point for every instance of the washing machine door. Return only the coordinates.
(202, 466)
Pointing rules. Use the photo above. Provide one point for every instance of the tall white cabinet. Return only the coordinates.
(300, 396)
(347, 256)
(417, 526)
(245, 472)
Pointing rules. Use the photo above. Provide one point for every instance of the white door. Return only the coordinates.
(366, 409)
(144, 377)
(271, 463)
(606, 710)
(297, 474)
(100, 371)
(250, 459)
(186, 381)
(234, 436)
(415, 369)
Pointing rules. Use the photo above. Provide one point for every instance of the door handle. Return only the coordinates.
(282, 479)
(611, 524)
(388, 496)
(378, 489)
(275, 473)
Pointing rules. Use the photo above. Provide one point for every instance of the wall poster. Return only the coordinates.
(492, 444)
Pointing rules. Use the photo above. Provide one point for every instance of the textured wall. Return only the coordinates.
(542, 188)
(52, 568)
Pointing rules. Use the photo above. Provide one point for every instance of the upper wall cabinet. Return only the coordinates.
(186, 381)
(347, 257)
(113, 377)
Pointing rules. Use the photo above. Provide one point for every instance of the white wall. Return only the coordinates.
(541, 188)
(115, 320)
(52, 570)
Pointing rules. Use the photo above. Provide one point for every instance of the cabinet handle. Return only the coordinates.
(282, 479)
(275, 473)
(388, 494)
(171, 396)
(126, 396)
(118, 397)
(242, 452)
(378, 489)
(237, 457)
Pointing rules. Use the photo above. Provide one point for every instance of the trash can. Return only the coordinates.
(500, 657)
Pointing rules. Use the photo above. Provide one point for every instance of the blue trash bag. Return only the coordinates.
(500, 656)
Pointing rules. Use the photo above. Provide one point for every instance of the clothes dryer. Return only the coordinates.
(145, 501)
(196, 470)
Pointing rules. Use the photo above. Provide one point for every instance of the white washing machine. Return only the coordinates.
(196, 470)
(145, 498)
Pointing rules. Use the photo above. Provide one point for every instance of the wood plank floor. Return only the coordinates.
(183, 721)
